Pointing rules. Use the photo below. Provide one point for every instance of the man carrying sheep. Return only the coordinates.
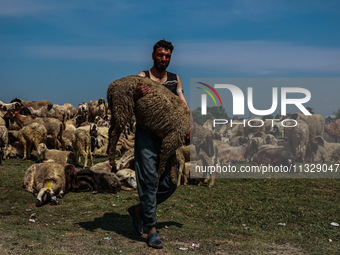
(147, 149)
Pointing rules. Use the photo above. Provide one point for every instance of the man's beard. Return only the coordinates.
(160, 67)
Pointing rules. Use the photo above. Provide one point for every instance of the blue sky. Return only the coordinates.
(69, 51)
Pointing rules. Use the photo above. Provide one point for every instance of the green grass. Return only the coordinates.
(236, 216)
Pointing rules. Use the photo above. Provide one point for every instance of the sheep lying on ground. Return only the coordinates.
(92, 180)
(32, 134)
(55, 155)
(14, 150)
(159, 112)
(127, 160)
(273, 155)
(49, 180)
(127, 177)
(102, 166)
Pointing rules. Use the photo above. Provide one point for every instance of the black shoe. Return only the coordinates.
(136, 221)
(154, 241)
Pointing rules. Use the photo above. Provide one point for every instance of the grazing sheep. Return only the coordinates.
(54, 111)
(49, 180)
(315, 122)
(101, 122)
(298, 139)
(34, 104)
(253, 146)
(333, 129)
(83, 110)
(236, 130)
(329, 147)
(55, 155)
(256, 122)
(269, 139)
(11, 106)
(81, 144)
(32, 134)
(336, 155)
(70, 110)
(206, 149)
(96, 108)
(3, 142)
(2, 121)
(233, 154)
(159, 112)
(101, 142)
(238, 140)
(318, 152)
(53, 126)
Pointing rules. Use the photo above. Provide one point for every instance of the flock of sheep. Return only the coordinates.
(300, 139)
(59, 134)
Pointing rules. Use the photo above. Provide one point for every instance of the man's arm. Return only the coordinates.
(180, 91)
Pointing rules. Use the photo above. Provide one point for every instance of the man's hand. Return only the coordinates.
(141, 90)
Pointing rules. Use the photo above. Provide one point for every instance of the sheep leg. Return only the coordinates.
(83, 152)
(180, 171)
(212, 181)
(55, 142)
(23, 141)
(29, 149)
(91, 159)
(114, 133)
(186, 175)
(169, 146)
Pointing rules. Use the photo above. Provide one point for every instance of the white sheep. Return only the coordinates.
(55, 155)
(81, 144)
(32, 134)
(48, 180)
(3, 142)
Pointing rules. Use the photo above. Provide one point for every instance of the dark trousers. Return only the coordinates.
(147, 148)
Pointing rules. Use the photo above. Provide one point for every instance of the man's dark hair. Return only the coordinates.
(163, 44)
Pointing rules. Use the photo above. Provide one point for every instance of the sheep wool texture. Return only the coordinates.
(37, 176)
(159, 112)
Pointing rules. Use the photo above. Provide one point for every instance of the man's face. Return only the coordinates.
(161, 58)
